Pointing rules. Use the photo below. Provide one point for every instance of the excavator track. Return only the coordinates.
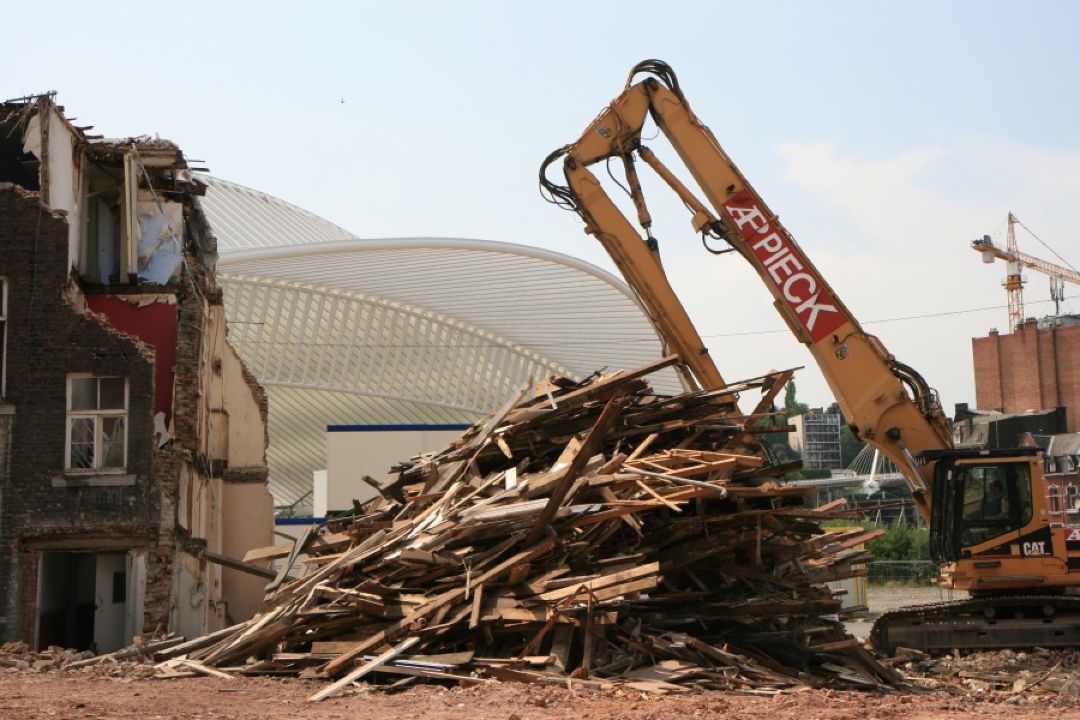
(982, 623)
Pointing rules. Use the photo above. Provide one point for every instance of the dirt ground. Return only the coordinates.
(28, 694)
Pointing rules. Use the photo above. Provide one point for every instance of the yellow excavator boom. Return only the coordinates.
(887, 403)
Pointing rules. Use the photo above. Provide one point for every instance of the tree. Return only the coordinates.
(792, 406)
(777, 443)
(901, 542)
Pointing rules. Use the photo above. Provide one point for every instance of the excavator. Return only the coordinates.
(995, 530)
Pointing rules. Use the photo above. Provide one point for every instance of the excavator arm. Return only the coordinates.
(995, 527)
(887, 403)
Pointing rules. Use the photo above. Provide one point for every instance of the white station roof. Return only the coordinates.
(348, 331)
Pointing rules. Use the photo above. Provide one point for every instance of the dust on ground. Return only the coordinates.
(25, 695)
(989, 685)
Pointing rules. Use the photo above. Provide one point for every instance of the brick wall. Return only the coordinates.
(48, 338)
(1030, 369)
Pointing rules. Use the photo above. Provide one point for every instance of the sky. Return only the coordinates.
(887, 135)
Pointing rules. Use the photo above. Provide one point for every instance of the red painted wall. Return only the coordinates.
(154, 324)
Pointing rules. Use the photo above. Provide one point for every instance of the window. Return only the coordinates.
(96, 423)
(997, 500)
(119, 587)
(1055, 500)
(3, 337)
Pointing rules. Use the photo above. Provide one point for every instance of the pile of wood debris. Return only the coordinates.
(590, 531)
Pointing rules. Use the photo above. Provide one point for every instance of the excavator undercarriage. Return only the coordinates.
(979, 623)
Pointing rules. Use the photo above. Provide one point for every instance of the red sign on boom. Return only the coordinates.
(797, 282)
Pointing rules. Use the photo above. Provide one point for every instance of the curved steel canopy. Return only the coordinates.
(342, 330)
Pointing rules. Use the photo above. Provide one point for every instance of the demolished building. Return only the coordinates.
(132, 437)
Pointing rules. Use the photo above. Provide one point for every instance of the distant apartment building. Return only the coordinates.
(817, 439)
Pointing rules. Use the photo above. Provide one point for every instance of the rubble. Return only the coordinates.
(131, 663)
(592, 533)
(19, 656)
(1007, 673)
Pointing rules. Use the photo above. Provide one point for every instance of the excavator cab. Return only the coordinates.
(979, 496)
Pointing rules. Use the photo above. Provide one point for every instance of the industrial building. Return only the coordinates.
(1033, 368)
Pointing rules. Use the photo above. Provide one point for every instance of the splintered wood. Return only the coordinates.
(589, 533)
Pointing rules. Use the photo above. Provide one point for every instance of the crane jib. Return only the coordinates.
(797, 282)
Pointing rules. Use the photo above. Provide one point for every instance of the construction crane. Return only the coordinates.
(1014, 280)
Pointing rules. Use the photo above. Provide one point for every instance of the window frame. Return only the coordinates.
(1015, 481)
(1053, 493)
(97, 415)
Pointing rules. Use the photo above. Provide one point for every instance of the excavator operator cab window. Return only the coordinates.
(996, 499)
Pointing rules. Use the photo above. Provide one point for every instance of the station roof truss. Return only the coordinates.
(342, 330)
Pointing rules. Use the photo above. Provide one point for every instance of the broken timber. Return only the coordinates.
(590, 532)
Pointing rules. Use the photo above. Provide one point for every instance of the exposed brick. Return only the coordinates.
(48, 338)
(52, 333)
(1030, 369)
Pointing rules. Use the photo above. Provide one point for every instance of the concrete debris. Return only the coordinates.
(1004, 673)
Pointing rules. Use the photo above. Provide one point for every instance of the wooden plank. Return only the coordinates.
(629, 519)
(582, 395)
(429, 674)
(837, 503)
(202, 669)
(649, 491)
(626, 588)
(363, 670)
(478, 599)
(719, 491)
(235, 564)
(603, 581)
(296, 549)
(192, 645)
(335, 666)
(269, 552)
(589, 445)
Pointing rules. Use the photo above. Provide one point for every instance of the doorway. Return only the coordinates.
(83, 600)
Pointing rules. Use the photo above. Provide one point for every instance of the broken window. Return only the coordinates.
(160, 232)
(130, 234)
(97, 423)
(17, 165)
(104, 259)
(3, 337)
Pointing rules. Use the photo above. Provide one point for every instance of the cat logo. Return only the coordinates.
(1034, 548)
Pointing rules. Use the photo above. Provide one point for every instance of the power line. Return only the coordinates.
(923, 316)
